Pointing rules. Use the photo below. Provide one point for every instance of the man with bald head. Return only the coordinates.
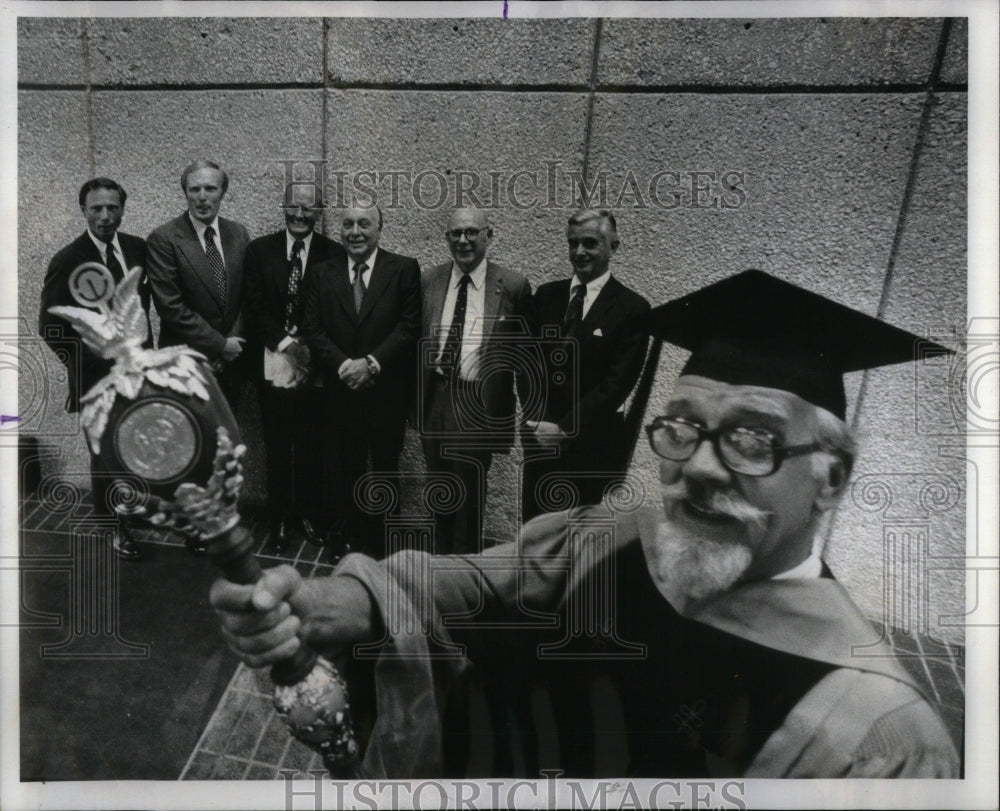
(466, 402)
(361, 322)
(291, 400)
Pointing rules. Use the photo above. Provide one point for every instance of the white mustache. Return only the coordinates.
(725, 502)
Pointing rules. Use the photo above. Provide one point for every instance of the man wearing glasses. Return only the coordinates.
(703, 636)
(466, 407)
(291, 401)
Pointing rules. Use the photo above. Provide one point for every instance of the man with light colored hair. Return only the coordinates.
(575, 440)
(704, 637)
(196, 276)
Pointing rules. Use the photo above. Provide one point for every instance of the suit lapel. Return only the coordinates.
(86, 250)
(437, 294)
(377, 283)
(492, 299)
(278, 262)
(602, 305)
(130, 259)
(187, 241)
(230, 250)
(342, 288)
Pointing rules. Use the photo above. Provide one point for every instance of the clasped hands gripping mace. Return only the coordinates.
(160, 416)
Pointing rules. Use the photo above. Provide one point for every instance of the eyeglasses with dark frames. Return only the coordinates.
(471, 234)
(748, 451)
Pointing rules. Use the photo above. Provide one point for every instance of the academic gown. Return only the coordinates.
(509, 663)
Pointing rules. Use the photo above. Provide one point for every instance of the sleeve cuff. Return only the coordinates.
(285, 342)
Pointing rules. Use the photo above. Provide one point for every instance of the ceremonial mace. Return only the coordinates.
(160, 416)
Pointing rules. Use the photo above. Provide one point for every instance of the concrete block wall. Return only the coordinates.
(843, 142)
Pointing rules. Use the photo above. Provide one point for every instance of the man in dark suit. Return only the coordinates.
(361, 322)
(102, 202)
(196, 276)
(467, 403)
(577, 433)
(291, 401)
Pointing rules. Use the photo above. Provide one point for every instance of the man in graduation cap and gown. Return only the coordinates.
(700, 637)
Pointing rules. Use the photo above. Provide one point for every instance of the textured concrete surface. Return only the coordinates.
(208, 50)
(906, 420)
(955, 67)
(49, 124)
(817, 195)
(248, 132)
(470, 51)
(50, 51)
(446, 134)
(761, 52)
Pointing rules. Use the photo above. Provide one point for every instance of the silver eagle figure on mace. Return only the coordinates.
(160, 416)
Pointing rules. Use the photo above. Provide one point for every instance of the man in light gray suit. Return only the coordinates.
(466, 397)
(196, 276)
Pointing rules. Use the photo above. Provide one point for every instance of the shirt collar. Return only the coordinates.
(370, 261)
(290, 241)
(103, 246)
(477, 277)
(595, 286)
(199, 226)
(812, 566)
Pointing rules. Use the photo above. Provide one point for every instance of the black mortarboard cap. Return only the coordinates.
(754, 329)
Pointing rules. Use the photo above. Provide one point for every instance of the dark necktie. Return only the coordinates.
(293, 312)
(215, 262)
(452, 354)
(359, 284)
(574, 312)
(111, 263)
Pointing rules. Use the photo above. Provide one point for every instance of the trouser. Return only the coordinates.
(355, 433)
(292, 425)
(584, 469)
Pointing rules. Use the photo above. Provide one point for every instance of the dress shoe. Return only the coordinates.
(123, 543)
(279, 535)
(195, 545)
(337, 545)
(310, 534)
(124, 546)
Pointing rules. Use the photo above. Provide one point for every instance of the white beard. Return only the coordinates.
(693, 569)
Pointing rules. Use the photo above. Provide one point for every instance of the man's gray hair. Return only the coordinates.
(837, 441)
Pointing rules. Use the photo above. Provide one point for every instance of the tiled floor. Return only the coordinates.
(245, 740)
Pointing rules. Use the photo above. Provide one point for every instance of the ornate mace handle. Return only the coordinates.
(159, 416)
(309, 694)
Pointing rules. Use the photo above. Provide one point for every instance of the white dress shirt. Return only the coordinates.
(304, 256)
(102, 248)
(199, 229)
(278, 367)
(366, 277)
(812, 566)
(594, 288)
(475, 318)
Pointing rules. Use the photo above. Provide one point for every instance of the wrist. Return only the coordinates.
(373, 365)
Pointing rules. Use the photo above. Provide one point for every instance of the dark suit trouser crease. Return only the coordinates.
(447, 450)
(292, 426)
(230, 379)
(588, 464)
(355, 433)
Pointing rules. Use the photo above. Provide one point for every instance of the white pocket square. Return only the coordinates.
(598, 333)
